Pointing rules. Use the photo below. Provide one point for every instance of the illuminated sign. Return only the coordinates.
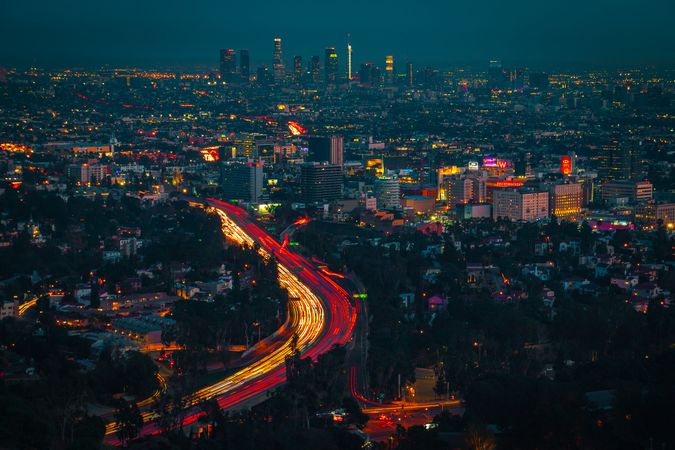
(490, 161)
(473, 165)
(566, 165)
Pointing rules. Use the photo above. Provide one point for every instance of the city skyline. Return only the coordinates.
(525, 33)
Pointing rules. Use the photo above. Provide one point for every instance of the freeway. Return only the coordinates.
(320, 314)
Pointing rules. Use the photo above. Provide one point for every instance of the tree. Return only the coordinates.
(129, 421)
(478, 437)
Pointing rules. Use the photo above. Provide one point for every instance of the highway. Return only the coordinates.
(320, 314)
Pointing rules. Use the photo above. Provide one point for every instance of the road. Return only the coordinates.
(321, 315)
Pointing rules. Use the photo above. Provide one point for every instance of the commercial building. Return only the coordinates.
(388, 193)
(326, 149)
(655, 214)
(465, 189)
(565, 200)
(331, 64)
(320, 182)
(278, 61)
(630, 191)
(242, 181)
(228, 64)
(244, 64)
(520, 204)
(621, 161)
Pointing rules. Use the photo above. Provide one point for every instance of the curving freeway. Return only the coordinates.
(320, 314)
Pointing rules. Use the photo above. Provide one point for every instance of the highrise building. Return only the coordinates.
(326, 149)
(331, 64)
(278, 61)
(621, 161)
(349, 59)
(496, 77)
(244, 64)
(320, 182)
(297, 68)
(520, 205)
(228, 63)
(264, 75)
(315, 69)
(389, 69)
(409, 74)
(369, 74)
(388, 193)
(242, 181)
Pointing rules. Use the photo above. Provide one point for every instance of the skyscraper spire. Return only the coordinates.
(349, 58)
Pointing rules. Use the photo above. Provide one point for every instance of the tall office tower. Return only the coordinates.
(621, 161)
(331, 65)
(297, 68)
(389, 69)
(242, 181)
(520, 205)
(565, 200)
(326, 149)
(369, 74)
(388, 193)
(315, 69)
(228, 63)
(349, 59)
(409, 74)
(320, 182)
(244, 64)
(496, 78)
(277, 60)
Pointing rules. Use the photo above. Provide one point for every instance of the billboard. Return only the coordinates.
(566, 165)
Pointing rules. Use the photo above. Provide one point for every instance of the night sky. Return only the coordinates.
(545, 33)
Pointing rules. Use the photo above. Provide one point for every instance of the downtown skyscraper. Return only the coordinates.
(277, 60)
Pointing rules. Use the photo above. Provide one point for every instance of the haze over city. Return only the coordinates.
(444, 33)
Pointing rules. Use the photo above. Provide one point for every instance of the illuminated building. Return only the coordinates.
(326, 149)
(620, 161)
(375, 165)
(315, 69)
(632, 191)
(494, 184)
(277, 60)
(331, 64)
(388, 193)
(244, 64)
(242, 181)
(441, 175)
(418, 203)
(245, 145)
(349, 59)
(297, 68)
(389, 69)
(654, 214)
(567, 165)
(89, 173)
(520, 205)
(320, 182)
(565, 200)
(464, 189)
(228, 63)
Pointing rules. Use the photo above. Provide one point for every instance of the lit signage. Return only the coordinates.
(494, 162)
(473, 165)
(566, 165)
